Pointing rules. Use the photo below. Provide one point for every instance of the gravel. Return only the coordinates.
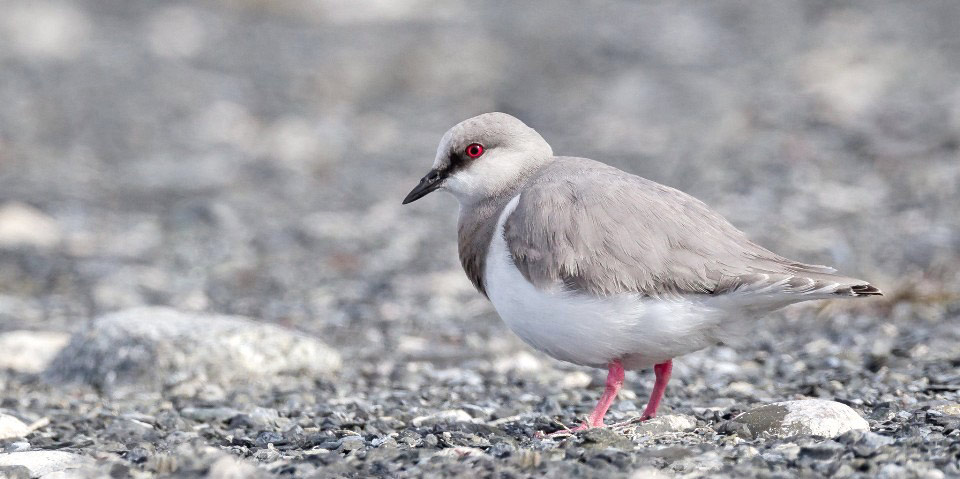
(204, 198)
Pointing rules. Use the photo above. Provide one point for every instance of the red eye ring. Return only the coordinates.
(474, 150)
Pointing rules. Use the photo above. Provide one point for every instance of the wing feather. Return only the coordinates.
(596, 229)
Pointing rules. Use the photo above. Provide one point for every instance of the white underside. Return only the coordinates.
(592, 331)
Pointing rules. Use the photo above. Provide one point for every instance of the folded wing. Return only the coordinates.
(595, 229)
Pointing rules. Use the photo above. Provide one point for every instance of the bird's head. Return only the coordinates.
(482, 157)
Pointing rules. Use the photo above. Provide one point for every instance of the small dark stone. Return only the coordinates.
(137, 455)
(269, 437)
(242, 441)
(736, 428)
(501, 450)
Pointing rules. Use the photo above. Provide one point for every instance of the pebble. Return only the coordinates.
(351, 443)
(266, 455)
(209, 414)
(228, 467)
(11, 427)
(459, 452)
(145, 348)
(952, 409)
(22, 225)
(864, 443)
(30, 351)
(814, 417)
(41, 463)
(602, 438)
(443, 417)
(663, 425)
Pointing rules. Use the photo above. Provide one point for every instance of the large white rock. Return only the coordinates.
(42, 463)
(24, 225)
(11, 427)
(815, 417)
(153, 349)
(30, 351)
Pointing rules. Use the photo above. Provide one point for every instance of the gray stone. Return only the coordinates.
(30, 351)
(660, 425)
(41, 463)
(864, 443)
(814, 417)
(11, 427)
(264, 417)
(350, 443)
(603, 438)
(159, 348)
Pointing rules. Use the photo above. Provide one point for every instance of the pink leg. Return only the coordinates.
(614, 382)
(662, 372)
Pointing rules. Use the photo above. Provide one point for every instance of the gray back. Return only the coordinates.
(601, 231)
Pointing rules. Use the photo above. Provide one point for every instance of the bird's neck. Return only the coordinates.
(476, 227)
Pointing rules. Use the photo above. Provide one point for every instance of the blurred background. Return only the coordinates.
(249, 157)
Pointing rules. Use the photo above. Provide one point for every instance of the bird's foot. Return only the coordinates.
(631, 421)
(565, 432)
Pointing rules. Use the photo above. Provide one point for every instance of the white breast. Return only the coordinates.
(592, 331)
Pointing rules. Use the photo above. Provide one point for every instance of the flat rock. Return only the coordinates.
(603, 438)
(156, 348)
(22, 225)
(661, 425)
(210, 414)
(459, 452)
(42, 463)
(30, 351)
(11, 427)
(443, 417)
(952, 409)
(228, 467)
(816, 417)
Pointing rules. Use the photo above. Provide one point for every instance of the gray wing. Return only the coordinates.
(599, 230)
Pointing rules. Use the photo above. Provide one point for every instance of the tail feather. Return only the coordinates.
(824, 279)
(863, 289)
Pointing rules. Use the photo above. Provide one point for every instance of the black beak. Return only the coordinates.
(428, 183)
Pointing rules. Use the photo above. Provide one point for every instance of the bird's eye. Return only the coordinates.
(474, 150)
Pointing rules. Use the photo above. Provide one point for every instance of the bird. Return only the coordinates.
(601, 268)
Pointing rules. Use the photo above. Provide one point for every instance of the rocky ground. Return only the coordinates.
(205, 270)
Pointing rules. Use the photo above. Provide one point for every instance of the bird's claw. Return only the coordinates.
(565, 432)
